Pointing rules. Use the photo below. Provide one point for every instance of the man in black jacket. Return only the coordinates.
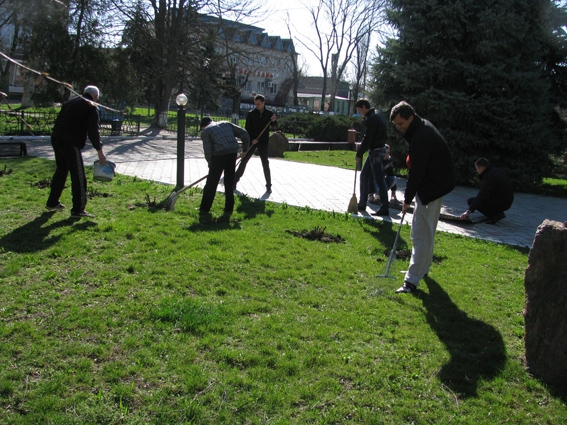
(256, 120)
(77, 120)
(374, 141)
(495, 195)
(431, 176)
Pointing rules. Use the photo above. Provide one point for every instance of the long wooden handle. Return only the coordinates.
(265, 128)
(192, 184)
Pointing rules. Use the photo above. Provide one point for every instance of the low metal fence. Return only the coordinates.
(193, 119)
(25, 123)
(294, 127)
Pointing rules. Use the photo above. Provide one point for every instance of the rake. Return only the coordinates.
(169, 203)
(392, 256)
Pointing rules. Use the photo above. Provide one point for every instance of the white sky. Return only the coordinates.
(274, 23)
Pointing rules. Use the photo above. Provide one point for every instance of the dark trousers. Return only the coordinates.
(491, 210)
(371, 176)
(68, 159)
(218, 165)
(263, 151)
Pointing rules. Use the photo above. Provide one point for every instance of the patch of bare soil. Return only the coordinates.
(95, 193)
(149, 203)
(42, 184)
(317, 234)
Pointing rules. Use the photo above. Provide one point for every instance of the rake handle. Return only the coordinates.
(393, 251)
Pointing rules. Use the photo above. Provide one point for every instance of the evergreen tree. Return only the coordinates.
(476, 69)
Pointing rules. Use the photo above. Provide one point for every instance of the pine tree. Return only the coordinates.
(475, 68)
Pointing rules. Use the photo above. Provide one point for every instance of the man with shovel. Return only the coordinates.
(431, 176)
(256, 122)
(221, 148)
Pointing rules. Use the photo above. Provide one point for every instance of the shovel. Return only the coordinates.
(169, 203)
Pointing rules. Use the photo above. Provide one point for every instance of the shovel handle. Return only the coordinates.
(191, 185)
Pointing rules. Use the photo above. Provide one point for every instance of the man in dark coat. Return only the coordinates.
(431, 176)
(495, 195)
(256, 120)
(77, 120)
(373, 142)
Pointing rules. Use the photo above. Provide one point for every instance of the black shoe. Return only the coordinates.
(406, 288)
(382, 212)
(225, 218)
(496, 218)
(361, 208)
(268, 188)
(58, 207)
(82, 214)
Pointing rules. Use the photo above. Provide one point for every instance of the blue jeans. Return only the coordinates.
(373, 167)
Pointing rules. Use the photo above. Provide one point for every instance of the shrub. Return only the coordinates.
(331, 128)
(297, 124)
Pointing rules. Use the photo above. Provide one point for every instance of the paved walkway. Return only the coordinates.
(153, 157)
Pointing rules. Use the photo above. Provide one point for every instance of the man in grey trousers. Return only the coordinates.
(431, 176)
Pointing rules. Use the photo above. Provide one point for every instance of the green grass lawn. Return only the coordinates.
(143, 316)
(335, 158)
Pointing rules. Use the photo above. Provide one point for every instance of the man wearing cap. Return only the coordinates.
(221, 148)
(77, 121)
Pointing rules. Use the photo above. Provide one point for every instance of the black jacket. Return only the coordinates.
(255, 123)
(496, 192)
(77, 120)
(432, 171)
(375, 135)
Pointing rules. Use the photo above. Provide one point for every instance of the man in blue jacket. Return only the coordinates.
(431, 176)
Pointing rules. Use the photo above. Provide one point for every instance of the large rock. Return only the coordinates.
(277, 145)
(545, 313)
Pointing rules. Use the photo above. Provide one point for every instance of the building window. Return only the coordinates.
(272, 88)
(261, 86)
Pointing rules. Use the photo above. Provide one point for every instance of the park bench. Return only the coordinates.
(13, 149)
(113, 119)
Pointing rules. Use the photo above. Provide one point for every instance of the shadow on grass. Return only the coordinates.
(251, 207)
(477, 349)
(35, 235)
(212, 225)
(384, 231)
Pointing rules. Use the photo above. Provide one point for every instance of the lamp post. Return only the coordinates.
(181, 101)
(350, 87)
